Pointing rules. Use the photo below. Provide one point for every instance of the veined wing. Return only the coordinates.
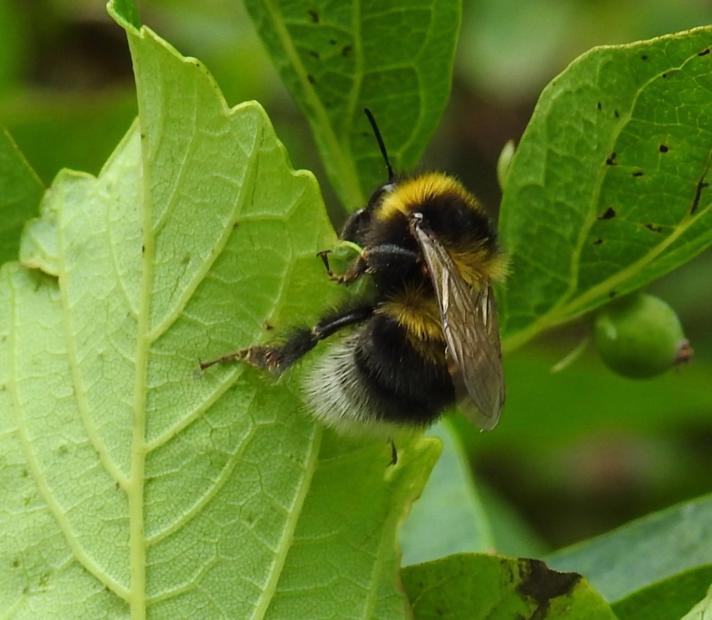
(469, 322)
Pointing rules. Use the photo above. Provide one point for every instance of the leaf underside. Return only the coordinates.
(129, 482)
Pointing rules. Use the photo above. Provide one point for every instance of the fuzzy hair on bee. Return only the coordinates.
(425, 337)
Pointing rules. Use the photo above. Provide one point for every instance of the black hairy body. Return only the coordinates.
(391, 369)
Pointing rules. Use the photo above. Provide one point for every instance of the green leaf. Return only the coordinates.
(338, 57)
(450, 500)
(669, 598)
(20, 193)
(702, 610)
(646, 551)
(474, 587)
(129, 483)
(128, 11)
(613, 172)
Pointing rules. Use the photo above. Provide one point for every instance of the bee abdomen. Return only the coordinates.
(377, 380)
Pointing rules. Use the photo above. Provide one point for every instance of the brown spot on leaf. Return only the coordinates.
(346, 50)
(654, 228)
(663, 148)
(311, 79)
(616, 114)
(541, 584)
(611, 160)
(704, 52)
(638, 173)
(313, 15)
(598, 242)
(599, 106)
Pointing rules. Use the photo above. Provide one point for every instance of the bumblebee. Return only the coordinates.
(426, 336)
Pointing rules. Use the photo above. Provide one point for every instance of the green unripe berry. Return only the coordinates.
(640, 336)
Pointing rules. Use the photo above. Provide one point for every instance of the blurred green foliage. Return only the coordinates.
(568, 460)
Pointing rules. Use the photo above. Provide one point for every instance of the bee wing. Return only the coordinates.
(469, 322)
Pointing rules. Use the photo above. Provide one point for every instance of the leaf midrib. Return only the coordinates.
(353, 196)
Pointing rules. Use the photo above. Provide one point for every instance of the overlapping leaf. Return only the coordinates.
(338, 57)
(131, 483)
(666, 556)
(609, 188)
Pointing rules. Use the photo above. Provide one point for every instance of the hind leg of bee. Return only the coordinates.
(279, 357)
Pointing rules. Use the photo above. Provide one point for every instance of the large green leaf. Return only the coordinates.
(451, 500)
(20, 193)
(660, 546)
(338, 57)
(608, 189)
(129, 483)
(479, 587)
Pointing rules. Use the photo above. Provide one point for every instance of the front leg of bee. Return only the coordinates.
(376, 258)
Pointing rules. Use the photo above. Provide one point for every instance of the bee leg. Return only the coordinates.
(376, 258)
(354, 271)
(389, 256)
(277, 358)
(324, 256)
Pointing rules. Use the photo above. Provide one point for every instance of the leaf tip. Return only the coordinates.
(124, 12)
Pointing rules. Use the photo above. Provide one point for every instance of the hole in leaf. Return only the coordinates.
(607, 214)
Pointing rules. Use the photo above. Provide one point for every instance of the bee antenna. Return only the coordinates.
(381, 144)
